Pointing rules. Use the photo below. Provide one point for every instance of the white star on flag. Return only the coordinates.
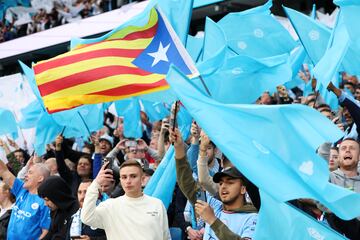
(160, 55)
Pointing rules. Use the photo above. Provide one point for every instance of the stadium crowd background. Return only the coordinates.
(77, 162)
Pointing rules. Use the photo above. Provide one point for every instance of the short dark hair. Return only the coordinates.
(334, 148)
(212, 144)
(323, 106)
(87, 156)
(131, 163)
(88, 180)
(349, 139)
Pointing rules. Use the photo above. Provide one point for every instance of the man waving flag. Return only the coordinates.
(131, 60)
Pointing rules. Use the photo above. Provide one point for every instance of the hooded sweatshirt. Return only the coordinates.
(337, 177)
(56, 190)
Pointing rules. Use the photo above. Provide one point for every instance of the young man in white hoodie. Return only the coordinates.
(131, 216)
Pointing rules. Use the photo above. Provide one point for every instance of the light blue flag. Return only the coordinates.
(279, 141)
(214, 39)
(155, 111)
(30, 76)
(329, 97)
(47, 129)
(176, 10)
(162, 183)
(81, 120)
(330, 63)
(8, 123)
(130, 110)
(290, 223)
(242, 79)
(194, 46)
(313, 36)
(313, 12)
(350, 9)
(258, 34)
(46, 132)
(202, 3)
(31, 115)
(297, 59)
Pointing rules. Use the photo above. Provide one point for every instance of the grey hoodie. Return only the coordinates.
(337, 177)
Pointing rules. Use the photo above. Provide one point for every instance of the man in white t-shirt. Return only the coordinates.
(132, 216)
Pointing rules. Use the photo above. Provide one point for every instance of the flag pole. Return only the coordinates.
(62, 131)
(206, 88)
(87, 128)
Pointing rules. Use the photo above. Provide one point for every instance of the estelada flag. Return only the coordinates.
(131, 60)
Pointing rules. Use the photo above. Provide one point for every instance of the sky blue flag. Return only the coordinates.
(330, 63)
(313, 12)
(30, 115)
(201, 3)
(30, 76)
(349, 17)
(154, 180)
(81, 120)
(162, 183)
(242, 79)
(155, 111)
(194, 46)
(47, 128)
(214, 39)
(130, 110)
(350, 9)
(290, 223)
(8, 123)
(46, 132)
(297, 59)
(258, 33)
(175, 10)
(313, 36)
(280, 142)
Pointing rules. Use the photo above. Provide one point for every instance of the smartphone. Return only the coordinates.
(130, 143)
(173, 116)
(201, 195)
(109, 161)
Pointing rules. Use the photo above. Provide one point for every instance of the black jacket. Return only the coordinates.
(4, 222)
(57, 191)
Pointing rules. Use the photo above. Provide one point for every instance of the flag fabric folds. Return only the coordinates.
(313, 36)
(130, 60)
(330, 63)
(290, 223)
(8, 123)
(242, 79)
(259, 34)
(175, 10)
(130, 110)
(161, 185)
(272, 145)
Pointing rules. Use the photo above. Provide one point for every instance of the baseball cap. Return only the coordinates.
(107, 138)
(230, 171)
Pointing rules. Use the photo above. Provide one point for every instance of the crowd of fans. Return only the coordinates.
(92, 189)
(63, 11)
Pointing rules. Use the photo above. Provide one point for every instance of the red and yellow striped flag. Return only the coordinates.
(103, 70)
